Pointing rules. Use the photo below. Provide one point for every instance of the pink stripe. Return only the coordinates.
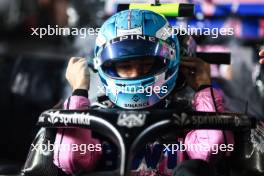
(261, 22)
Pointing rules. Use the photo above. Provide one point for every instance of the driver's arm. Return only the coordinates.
(72, 161)
(208, 99)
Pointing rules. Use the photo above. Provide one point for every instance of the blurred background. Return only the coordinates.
(32, 68)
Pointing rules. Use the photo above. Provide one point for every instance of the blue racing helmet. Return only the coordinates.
(132, 35)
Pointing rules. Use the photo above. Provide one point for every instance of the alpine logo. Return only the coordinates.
(130, 119)
(132, 37)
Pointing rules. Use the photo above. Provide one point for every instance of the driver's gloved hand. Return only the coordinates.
(194, 168)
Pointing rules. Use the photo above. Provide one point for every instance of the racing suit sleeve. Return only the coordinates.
(209, 141)
(66, 156)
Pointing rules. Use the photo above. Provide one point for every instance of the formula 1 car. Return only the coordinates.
(130, 130)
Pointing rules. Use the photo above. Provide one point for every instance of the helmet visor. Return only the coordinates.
(134, 68)
(149, 52)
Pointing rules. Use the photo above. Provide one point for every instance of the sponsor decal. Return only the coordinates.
(136, 105)
(135, 98)
(181, 120)
(199, 120)
(185, 119)
(57, 117)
